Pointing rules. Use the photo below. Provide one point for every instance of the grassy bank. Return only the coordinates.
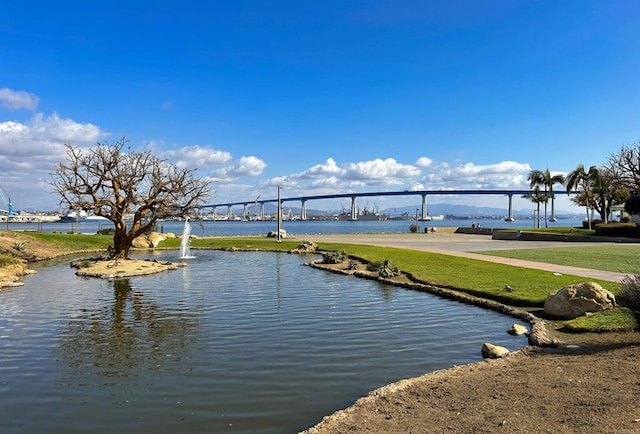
(529, 287)
(72, 242)
(622, 258)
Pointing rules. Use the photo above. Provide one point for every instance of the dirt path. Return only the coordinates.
(589, 389)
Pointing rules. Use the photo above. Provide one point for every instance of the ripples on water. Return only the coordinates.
(242, 342)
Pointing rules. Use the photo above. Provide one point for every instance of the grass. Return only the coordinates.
(619, 320)
(563, 230)
(7, 259)
(622, 258)
(249, 243)
(481, 278)
(73, 242)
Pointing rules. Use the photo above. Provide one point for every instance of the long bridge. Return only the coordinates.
(354, 196)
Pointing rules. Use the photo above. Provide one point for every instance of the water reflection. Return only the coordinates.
(133, 333)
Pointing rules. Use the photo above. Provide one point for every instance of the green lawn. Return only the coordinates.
(73, 242)
(485, 279)
(623, 258)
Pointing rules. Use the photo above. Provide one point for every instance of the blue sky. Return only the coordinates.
(321, 97)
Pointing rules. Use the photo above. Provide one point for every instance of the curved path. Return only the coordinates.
(448, 243)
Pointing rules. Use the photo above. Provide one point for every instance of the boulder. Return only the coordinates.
(305, 247)
(149, 240)
(155, 238)
(579, 299)
(490, 351)
(274, 234)
(141, 242)
(518, 330)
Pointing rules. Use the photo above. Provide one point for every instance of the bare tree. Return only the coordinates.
(626, 165)
(122, 186)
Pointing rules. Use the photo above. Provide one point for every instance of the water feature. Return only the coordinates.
(185, 243)
(258, 344)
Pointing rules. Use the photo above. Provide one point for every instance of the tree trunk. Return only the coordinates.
(121, 242)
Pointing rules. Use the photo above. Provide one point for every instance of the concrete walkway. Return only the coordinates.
(448, 243)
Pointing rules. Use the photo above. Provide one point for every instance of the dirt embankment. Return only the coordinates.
(26, 249)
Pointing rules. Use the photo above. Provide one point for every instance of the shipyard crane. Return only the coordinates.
(4, 201)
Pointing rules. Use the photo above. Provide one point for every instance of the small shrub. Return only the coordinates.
(384, 268)
(353, 265)
(333, 257)
(6, 260)
(629, 294)
(413, 228)
(19, 246)
(107, 231)
(629, 230)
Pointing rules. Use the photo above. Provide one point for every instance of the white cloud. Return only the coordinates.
(320, 170)
(424, 162)
(506, 174)
(197, 157)
(18, 99)
(29, 152)
(244, 166)
(55, 128)
(387, 171)
(247, 166)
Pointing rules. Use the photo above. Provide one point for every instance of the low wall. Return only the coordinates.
(510, 234)
(476, 231)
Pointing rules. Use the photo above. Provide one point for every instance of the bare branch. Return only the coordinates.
(122, 185)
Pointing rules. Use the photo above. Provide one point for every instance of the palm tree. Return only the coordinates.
(547, 180)
(537, 197)
(581, 177)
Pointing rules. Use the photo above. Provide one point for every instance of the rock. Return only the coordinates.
(539, 336)
(141, 242)
(518, 330)
(155, 238)
(490, 351)
(273, 234)
(149, 240)
(576, 300)
(305, 247)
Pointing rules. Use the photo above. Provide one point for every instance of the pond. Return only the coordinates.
(243, 342)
